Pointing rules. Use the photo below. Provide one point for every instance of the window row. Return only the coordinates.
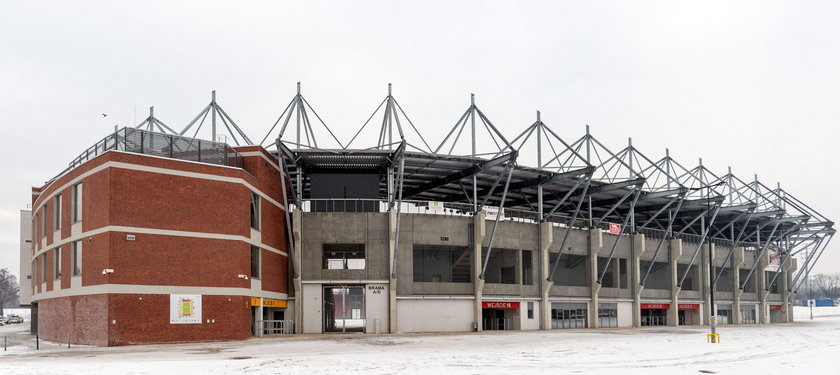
(56, 204)
(39, 265)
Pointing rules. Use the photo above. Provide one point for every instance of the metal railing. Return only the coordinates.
(275, 327)
(653, 321)
(356, 205)
(497, 324)
(146, 142)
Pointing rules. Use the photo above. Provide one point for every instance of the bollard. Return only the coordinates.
(37, 343)
(713, 338)
(4, 343)
(68, 341)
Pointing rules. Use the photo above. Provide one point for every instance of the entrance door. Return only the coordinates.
(344, 308)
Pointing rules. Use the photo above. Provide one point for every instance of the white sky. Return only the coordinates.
(752, 85)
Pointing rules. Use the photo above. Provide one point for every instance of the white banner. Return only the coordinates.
(185, 309)
(490, 212)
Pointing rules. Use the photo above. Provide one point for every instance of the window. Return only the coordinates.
(255, 262)
(344, 256)
(688, 283)
(37, 226)
(44, 267)
(442, 264)
(57, 212)
(77, 258)
(571, 269)
(530, 310)
(57, 262)
(255, 211)
(501, 266)
(527, 268)
(44, 221)
(35, 271)
(77, 202)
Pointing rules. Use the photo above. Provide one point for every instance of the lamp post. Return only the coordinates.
(711, 264)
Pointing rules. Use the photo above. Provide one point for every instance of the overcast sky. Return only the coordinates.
(752, 85)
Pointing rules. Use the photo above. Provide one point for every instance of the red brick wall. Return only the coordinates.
(172, 260)
(274, 271)
(146, 320)
(154, 200)
(84, 318)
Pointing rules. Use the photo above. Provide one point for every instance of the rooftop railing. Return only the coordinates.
(146, 142)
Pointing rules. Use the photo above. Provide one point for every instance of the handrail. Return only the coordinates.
(146, 142)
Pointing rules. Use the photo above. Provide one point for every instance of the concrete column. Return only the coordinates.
(392, 278)
(297, 224)
(704, 282)
(763, 313)
(737, 261)
(675, 247)
(784, 285)
(546, 234)
(595, 242)
(478, 239)
(637, 248)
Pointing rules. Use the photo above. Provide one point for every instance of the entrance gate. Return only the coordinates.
(344, 308)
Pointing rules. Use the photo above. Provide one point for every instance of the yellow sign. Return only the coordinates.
(268, 302)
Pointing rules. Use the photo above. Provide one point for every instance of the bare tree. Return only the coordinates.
(8, 288)
(828, 285)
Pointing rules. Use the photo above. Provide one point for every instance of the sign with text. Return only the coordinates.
(688, 306)
(184, 309)
(655, 306)
(269, 302)
(615, 228)
(500, 305)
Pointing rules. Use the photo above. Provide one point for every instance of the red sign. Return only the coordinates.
(688, 306)
(775, 307)
(500, 305)
(615, 228)
(655, 306)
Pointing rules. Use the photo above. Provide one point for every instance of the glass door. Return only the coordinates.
(344, 308)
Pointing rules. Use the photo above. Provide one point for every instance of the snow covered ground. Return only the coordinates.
(807, 346)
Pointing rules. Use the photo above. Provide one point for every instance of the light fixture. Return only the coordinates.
(107, 271)
(241, 276)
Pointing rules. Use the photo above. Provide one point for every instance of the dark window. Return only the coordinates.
(442, 264)
(527, 268)
(44, 267)
(77, 202)
(255, 211)
(57, 213)
(501, 266)
(688, 283)
(724, 282)
(530, 310)
(57, 262)
(750, 287)
(344, 256)
(608, 281)
(571, 270)
(773, 288)
(255, 262)
(77, 258)
(622, 273)
(44, 221)
(659, 276)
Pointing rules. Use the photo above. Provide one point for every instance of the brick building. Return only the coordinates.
(132, 237)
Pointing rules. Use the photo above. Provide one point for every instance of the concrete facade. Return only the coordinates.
(440, 304)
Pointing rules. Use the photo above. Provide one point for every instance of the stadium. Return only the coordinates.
(153, 235)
